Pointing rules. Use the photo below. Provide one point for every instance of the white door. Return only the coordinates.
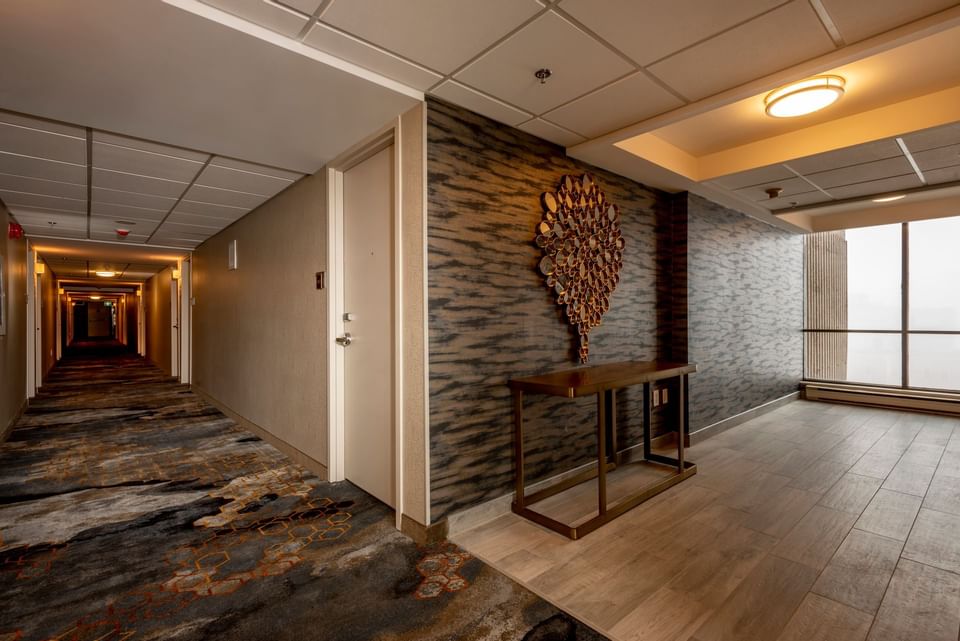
(38, 334)
(174, 329)
(368, 318)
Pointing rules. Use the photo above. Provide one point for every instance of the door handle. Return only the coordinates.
(345, 340)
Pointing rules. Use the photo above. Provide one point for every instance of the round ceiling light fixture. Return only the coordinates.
(94, 297)
(106, 273)
(889, 199)
(804, 97)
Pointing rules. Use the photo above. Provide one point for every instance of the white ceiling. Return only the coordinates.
(72, 182)
(291, 83)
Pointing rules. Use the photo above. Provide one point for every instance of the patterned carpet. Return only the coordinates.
(130, 509)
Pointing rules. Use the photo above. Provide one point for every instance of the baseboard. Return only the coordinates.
(743, 417)
(472, 517)
(297, 456)
(8, 430)
(888, 398)
(423, 534)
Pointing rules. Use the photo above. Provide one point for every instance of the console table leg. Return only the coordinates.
(646, 421)
(602, 452)
(681, 421)
(518, 445)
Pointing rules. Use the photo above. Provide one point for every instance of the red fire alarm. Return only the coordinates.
(122, 233)
(14, 231)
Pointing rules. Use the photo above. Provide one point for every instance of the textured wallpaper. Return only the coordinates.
(745, 307)
(492, 318)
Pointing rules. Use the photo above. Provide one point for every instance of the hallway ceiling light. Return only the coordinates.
(888, 199)
(94, 297)
(804, 97)
(106, 273)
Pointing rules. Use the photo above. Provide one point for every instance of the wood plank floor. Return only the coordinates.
(813, 522)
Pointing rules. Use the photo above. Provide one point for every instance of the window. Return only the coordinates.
(863, 326)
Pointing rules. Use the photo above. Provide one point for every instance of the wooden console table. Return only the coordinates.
(602, 380)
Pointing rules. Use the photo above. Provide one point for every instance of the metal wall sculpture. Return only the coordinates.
(582, 251)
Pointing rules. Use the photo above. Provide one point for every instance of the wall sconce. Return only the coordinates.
(39, 268)
(175, 274)
(61, 291)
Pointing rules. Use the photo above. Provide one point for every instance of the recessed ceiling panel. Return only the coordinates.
(578, 63)
(482, 104)
(873, 187)
(266, 14)
(131, 199)
(856, 155)
(774, 41)
(145, 163)
(42, 144)
(200, 193)
(623, 103)
(123, 181)
(878, 169)
(349, 48)
(441, 34)
(26, 199)
(39, 186)
(551, 132)
(857, 20)
(40, 168)
(648, 30)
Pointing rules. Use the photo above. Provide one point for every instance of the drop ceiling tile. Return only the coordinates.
(127, 198)
(148, 146)
(765, 176)
(41, 219)
(42, 144)
(876, 187)
(579, 64)
(623, 103)
(43, 125)
(551, 132)
(189, 231)
(786, 203)
(145, 163)
(774, 41)
(108, 226)
(212, 210)
(678, 24)
(240, 179)
(197, 219)
(790, 186)
(945, 175)
(441, 34)
(239, 165)
(126, 212)
(26, 199)
(40, 168)
(938, 157)
(136, 183)
(133, 239)
(266, 14)
(347, 47)
(933, 137)
(305, 6)
(864, 172)
(482, 104)
(200, 193)
(57, 232)
(170, 241)
(40, 186)
(855, 155)
(857, 20)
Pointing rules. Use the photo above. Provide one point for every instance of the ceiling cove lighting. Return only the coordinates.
(94, 297)
(106, 273)
(804, 97)
(889, 199)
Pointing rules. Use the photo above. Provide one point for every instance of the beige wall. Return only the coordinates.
(156, 301)
(13, 348)
(48, 320)
(259, 332)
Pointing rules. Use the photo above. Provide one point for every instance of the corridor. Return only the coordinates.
(130, 509)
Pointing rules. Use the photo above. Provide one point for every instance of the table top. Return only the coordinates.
(584, 381)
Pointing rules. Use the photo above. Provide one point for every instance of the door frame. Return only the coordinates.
(389, 135)
(33, 311)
